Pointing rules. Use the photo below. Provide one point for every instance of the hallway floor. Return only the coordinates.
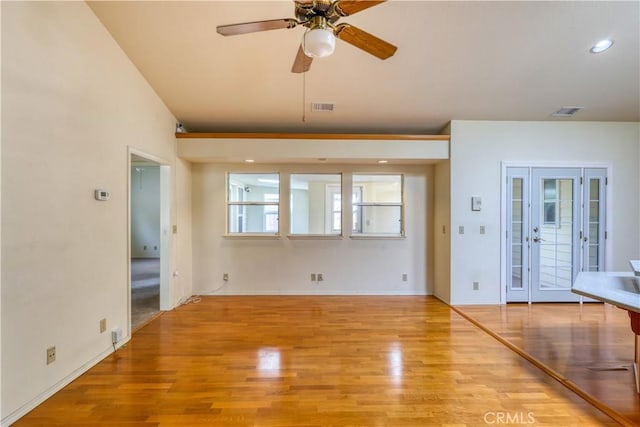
(145, 290)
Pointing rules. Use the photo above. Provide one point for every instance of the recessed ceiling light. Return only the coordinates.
(249, 161)
(383, 161)
(601, 46)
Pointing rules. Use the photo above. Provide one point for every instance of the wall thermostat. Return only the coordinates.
(102, 195)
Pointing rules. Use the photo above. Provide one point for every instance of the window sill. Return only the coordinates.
(315, 237)
(377, 237)
(252, 236)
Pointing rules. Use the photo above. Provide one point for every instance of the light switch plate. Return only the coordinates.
(476, 203)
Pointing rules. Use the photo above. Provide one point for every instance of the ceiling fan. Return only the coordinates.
(320, 17)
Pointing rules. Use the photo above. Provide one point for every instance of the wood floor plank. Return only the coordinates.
(313, 361)
(590, 345)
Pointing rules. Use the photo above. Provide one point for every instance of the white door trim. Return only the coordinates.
(165, 229)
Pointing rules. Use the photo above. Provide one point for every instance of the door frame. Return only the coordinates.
(165, 229)
(503, 209)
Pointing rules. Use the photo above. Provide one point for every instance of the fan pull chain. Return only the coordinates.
(304, 97)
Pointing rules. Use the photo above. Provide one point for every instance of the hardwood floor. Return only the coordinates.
(590, 346)
(314, 361)
(145, 290)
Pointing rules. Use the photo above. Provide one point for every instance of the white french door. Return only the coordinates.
(555, 228)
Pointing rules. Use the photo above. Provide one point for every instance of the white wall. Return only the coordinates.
(1, 116)
(72, 103)
(145, 211)
(477, 150)
(182, 245)
(283, 266)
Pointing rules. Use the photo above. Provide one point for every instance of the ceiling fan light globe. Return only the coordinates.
(318, 43)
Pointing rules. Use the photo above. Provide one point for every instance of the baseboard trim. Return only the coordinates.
(33, 403)
(311, 293)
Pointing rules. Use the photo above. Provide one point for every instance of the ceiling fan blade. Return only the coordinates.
(302, 62)
(349, 7)
(365, 41)
(252, 27)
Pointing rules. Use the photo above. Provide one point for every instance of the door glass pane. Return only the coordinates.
(550, 200)
(594, 189)
(547, 276)
(516, 278)
(556, 244)
(516, 210)
(565, 211)
(516, 232)
(594, 237)
(516, 189)
(594, 211)
(516, 267)
(593, 258)
(516, 255)
(564, 275)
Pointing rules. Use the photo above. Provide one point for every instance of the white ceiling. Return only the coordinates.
(504, 60)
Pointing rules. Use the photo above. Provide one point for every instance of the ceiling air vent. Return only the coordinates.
(322, 107)
(566, 111)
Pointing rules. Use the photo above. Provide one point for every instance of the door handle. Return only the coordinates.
(538, 239)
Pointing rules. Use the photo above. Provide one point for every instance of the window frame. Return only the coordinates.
(244, 204)
(361, 234)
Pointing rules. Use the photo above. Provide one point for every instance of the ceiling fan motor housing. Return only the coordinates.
(307, 11)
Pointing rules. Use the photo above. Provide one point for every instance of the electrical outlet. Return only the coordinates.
(404, 277)
(319, 276)
(103, 325)
(225, 277)
(116, 335)
(461, 229)
(51, 355)
(313, 277)
(476, 286)
(482, 230)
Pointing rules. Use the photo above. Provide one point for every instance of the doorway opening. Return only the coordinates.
(555, 227)
(148, 231)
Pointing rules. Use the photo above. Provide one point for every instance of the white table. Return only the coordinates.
(621, 289)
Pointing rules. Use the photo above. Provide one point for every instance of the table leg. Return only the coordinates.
(636, 360)
(635, 327)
